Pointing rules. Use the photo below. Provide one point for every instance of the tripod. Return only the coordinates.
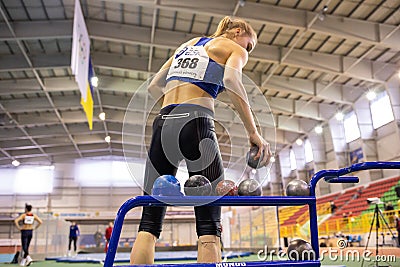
(375, 219)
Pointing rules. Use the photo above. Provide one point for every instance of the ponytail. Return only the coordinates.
(227, 23)
(223, 26)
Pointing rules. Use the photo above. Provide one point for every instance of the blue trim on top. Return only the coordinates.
(183, 105)
(203, 41)
(90, 76)
(213, 79)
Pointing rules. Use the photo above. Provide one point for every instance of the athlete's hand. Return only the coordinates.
(263, 147)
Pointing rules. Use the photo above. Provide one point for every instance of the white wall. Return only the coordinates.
(97, 203)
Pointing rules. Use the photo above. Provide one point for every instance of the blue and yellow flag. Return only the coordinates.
(88, 103)
(80, 65)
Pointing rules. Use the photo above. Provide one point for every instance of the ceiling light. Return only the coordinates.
(102, 116)
(339, 116)
(318, 129)
(272, 159)
(15, 163)
(299, 142)
(107, 139)
(371, 95)
(94, 81)
(322, 13)
(253, 171)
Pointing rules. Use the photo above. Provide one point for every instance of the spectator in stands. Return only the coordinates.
(73, 236)
(333, 207)
(28, 219)
(108, 235)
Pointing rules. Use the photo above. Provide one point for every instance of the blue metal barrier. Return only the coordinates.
(331, 176)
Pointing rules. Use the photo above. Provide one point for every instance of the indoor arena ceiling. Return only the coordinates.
(313, 58)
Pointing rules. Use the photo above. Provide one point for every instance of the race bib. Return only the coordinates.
(190, 62)
(29, 219)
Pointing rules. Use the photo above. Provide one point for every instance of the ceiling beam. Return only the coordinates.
(372, 71)
(336, 93)
(69, 104)
(46, 120)
(29, 62)
(51, 134)
(358, 30)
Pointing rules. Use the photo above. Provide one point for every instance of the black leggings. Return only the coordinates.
(26, 237)
(72, 238)
(183, 132)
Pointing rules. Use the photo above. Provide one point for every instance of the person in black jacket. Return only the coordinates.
(73, 236)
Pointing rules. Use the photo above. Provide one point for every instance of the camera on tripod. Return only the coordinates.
(374, 200)
(379, 222)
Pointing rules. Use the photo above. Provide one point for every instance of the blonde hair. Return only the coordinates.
(227, 23)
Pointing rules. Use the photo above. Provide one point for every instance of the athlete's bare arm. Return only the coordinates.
(38, 220)
(235, 88)
(237, 93)
(157, 84)
(17, 220)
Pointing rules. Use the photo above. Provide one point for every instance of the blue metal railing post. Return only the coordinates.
(193, 201)
(314, 229)
(116, 233)
(336, 176)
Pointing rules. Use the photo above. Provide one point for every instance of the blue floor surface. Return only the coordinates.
(124, 257)
(6, 257)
